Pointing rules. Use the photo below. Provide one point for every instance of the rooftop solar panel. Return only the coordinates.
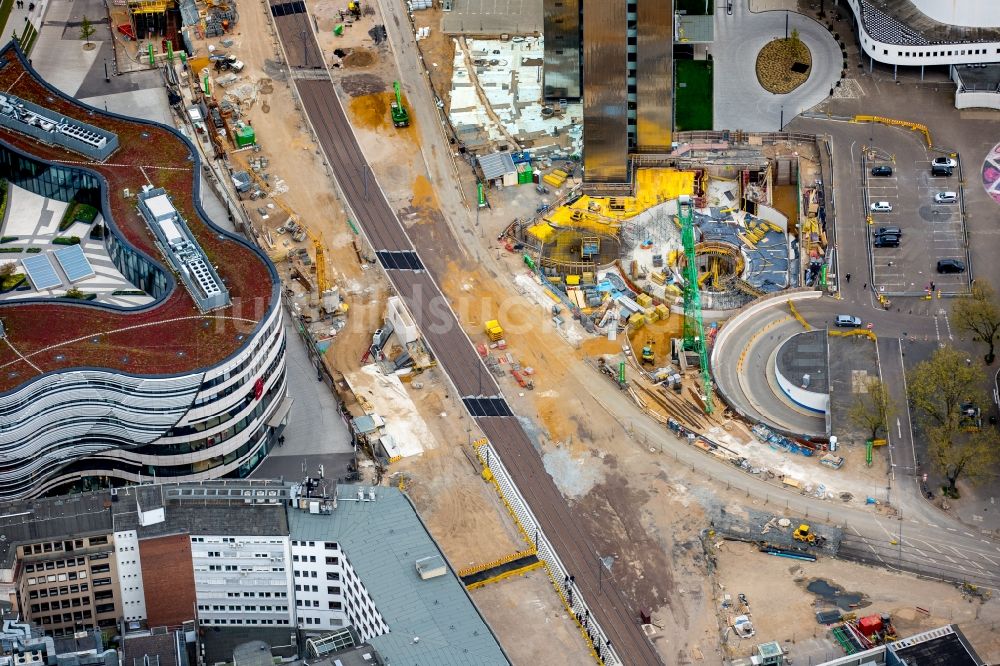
(74, 263)
(41, 272)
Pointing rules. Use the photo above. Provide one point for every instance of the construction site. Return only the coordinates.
(596, 316)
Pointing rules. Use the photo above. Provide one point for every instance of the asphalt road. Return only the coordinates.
(453, 349)
(932, 544)
(924, 540)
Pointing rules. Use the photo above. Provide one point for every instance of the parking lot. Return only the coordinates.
(930, 231)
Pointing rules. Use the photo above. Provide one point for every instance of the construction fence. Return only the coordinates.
(527, 524)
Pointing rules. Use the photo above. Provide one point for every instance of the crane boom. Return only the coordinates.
(694, 327)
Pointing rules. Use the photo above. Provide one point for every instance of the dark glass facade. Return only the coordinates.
(54, 181)
(605, 98)
(137, 268)
(654, 72)
(64, 183)
(625, 54)
(562, 49)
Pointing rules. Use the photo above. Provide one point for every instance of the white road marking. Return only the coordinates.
(928, 544)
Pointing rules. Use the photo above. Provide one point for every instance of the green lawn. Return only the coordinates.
(5, 7)
(28, 38)
(693, 100)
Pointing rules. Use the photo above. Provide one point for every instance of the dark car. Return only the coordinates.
(882, 170)
(889, 240)
(950, 266)
(888, 231)
(939, 170)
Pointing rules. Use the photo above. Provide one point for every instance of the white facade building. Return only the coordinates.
(328, 592)
(133, 600)
(913, 33)
(243, 580)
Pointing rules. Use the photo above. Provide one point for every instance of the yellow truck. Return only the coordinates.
(493, 330)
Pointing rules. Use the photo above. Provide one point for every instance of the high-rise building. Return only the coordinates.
(158, 363)
(619, 56)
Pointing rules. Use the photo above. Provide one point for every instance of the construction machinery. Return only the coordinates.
(328, 294)
(694, 327)
(354, 8)
(647, 353)
(493, 330)
(804, 534)
(400, 116)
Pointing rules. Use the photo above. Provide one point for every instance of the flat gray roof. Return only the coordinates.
(56, 518)
(383, 539)
(698, 29)
(852, 362)
(805, 354)
(209, 515)
(496, 165)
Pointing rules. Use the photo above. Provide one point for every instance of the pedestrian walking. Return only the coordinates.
(865, 288)
(848, 278)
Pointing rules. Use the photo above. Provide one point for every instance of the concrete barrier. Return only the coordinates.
(734, 323)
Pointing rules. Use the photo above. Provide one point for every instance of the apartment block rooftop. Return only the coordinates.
(431, 618)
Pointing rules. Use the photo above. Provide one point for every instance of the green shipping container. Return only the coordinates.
(525, 177)
(245, 136)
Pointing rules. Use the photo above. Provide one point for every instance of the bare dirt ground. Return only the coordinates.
(543, 639)
(783, 610)
(297, 161)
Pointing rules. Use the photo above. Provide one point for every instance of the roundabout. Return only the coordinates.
(740, 37)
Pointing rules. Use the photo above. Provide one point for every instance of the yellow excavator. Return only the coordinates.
(804, 534)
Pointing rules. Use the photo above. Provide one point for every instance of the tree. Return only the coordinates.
(795, 36)
(972, 455)
(87, 30)
(73, 292)
(938, 388)
(940, 385)
(7, 269)
(979, 314)
(872, 408)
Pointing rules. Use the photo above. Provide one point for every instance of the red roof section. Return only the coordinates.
(172, 335)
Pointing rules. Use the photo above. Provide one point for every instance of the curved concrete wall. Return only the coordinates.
(814, 402)
(753, 308)
(968, 13)
(928, 54)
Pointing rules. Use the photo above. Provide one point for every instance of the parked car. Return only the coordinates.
(950, 266)
(888, 231)
(945, 162)
(881, 207)
(888, 240)
(946, 197)
(848, 321)
(882, 170)
(940, 170)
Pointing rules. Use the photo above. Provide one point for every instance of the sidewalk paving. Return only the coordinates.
(740, 101)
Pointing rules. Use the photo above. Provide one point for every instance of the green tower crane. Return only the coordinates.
(694, 327)
(400, 116)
